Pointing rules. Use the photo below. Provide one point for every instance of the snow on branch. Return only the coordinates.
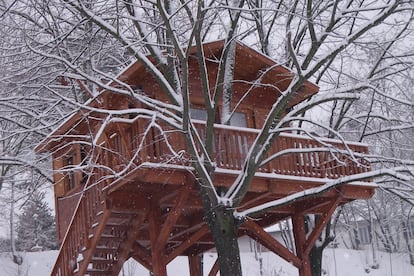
(174, 94)
(401, 173)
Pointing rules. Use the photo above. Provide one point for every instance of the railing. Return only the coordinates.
(294, 155)
(89, 210)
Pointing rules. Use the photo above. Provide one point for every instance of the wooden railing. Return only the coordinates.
(294, 155)
(88, 213)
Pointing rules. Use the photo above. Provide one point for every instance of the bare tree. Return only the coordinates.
(316, 38)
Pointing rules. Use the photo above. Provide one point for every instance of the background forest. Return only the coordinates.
(360, 53)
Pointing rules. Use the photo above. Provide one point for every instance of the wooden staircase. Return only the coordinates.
(98, 240)
(105, 256)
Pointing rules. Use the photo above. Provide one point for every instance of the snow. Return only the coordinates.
(34, 263)
(337, 262)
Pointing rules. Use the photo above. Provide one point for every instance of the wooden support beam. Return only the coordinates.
(195, 263)
(159, 266)
(254, 199)
(190, 241)
(324, 219)
(259, 234)
(172, 218)
(300, 239)
(351, 191)
(189, 225)
(214, 269)
(142, 255)
(312, 205)
(126, 246)
(127, 201)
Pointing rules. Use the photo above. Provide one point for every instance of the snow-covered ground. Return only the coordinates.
(338, 262)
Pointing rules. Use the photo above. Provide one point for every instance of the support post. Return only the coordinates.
(196, 265)
(127, 244)
(257, 233)
(324, 219)
(215, 269)
(300, 240)
(159, 267)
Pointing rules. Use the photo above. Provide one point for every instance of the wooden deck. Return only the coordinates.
(148, 207)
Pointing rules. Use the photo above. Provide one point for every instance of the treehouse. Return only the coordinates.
(121, 194)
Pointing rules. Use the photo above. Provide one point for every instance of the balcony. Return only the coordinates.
(294, 157)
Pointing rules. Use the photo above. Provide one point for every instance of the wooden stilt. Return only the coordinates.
(196, 265)
(300, 240)
(127, 245)
(190, 241)
(317, 230)
(142, 256)
(172, 217)
(159, 266)
(259, 234)
(215, 269)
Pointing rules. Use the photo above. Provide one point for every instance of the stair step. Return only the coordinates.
(123, 213)
(116, 225)
(92, 271)
(111, 237)
(105, 249)
(100, 213)
(102, 260)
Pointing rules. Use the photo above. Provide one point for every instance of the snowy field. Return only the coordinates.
(338, 262)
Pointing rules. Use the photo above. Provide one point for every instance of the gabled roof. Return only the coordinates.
(249, 62)
(248, 59)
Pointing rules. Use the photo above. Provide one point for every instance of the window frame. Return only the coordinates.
(411, 228)
(364, 234)
(70, 176)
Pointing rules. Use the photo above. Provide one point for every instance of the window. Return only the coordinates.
(411, 228)
(70, 175)
(238, 119)
(73, 167)
(364, 234)
(84, 156)
(198, 114)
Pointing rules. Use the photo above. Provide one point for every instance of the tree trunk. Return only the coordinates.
(17, 259)
(223, 227)
(315, 258)
(406, 236)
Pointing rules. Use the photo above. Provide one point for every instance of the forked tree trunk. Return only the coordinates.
(223, 227)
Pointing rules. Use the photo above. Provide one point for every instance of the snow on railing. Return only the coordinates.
(80, 232)
(290, 154)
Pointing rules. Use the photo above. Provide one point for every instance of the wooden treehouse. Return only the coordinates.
(114, 202)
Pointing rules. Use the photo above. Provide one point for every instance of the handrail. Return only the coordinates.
(90, 205)
(322, 158)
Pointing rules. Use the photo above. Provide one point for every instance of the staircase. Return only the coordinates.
(95, 241)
